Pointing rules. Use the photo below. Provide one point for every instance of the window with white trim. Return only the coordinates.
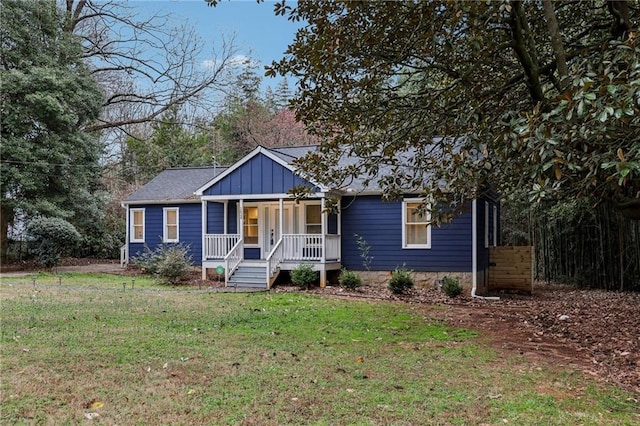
(416, 224)
(136, 219)
(313, 219)
(170, 226)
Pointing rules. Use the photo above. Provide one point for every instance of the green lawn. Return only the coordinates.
(138, 357)
(78, 280)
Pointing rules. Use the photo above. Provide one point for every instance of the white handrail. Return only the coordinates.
(273, 260)
(124, 250)
(232, 260)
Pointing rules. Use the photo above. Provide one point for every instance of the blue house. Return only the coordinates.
(244, 222)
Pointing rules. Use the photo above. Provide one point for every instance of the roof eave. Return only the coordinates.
(167, 201)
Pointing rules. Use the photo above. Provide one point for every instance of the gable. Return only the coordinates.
(259, 174)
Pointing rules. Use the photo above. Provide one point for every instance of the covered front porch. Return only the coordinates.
(250, 239)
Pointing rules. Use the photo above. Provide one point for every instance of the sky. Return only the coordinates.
(259, 34)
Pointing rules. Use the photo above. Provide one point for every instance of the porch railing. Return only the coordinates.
(333, 247)
(124, 255)
(233, 259)
(290, 248)
(308, 247)
(273, 260)
(217, 246)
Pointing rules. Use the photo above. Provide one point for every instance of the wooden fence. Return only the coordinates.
(511, 268)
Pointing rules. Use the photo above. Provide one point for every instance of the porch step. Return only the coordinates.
(249, 276)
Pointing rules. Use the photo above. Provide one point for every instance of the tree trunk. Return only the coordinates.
(6, 217)
(525, 49)
(622, 22)
(556, 43)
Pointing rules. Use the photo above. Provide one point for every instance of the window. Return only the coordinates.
(313, 219)
(137, 226)
(416, 229)
(250, 225)
(170, 220)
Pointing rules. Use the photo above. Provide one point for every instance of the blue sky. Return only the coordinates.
(259, 33)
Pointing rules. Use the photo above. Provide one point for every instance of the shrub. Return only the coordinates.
(174, 266)
(451, 286)
(51, 238)
(303, 276)
(170, 263)
(400, 281)
(349, 279)
(147, 261)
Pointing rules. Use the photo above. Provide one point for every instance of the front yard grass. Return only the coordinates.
(82, 280)
(128, 357)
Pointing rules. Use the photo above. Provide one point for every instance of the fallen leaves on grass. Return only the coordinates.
(594, 330)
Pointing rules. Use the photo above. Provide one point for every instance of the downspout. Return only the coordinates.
(126, 236)
(323, 228)
(474, 253)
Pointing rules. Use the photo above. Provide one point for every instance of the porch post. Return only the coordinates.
(241, 219)
(281, 218)
(323, 270)
(203, 254)
(339, 231)
(226, 216)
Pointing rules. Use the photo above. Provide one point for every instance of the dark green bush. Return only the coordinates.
(400, 281)
(50, 238)
(169, 263)
(349, 279)
(303, 276)
(451, 286)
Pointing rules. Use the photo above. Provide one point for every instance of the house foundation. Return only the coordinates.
(420, 279)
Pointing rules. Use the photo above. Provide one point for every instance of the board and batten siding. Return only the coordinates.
(380, 224)
(215, 218)
(189, 228)
(259, 175)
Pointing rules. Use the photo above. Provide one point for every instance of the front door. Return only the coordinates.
(271, 225)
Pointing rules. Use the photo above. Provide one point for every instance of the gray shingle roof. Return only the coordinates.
(289, 153)
(180, 184)
(175, 184)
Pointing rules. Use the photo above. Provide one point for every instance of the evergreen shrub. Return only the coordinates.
(349, 279)
(451, 286)
(50, 238)
(303, 276)
(400, 281)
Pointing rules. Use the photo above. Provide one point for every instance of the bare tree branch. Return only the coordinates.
(146, 66)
